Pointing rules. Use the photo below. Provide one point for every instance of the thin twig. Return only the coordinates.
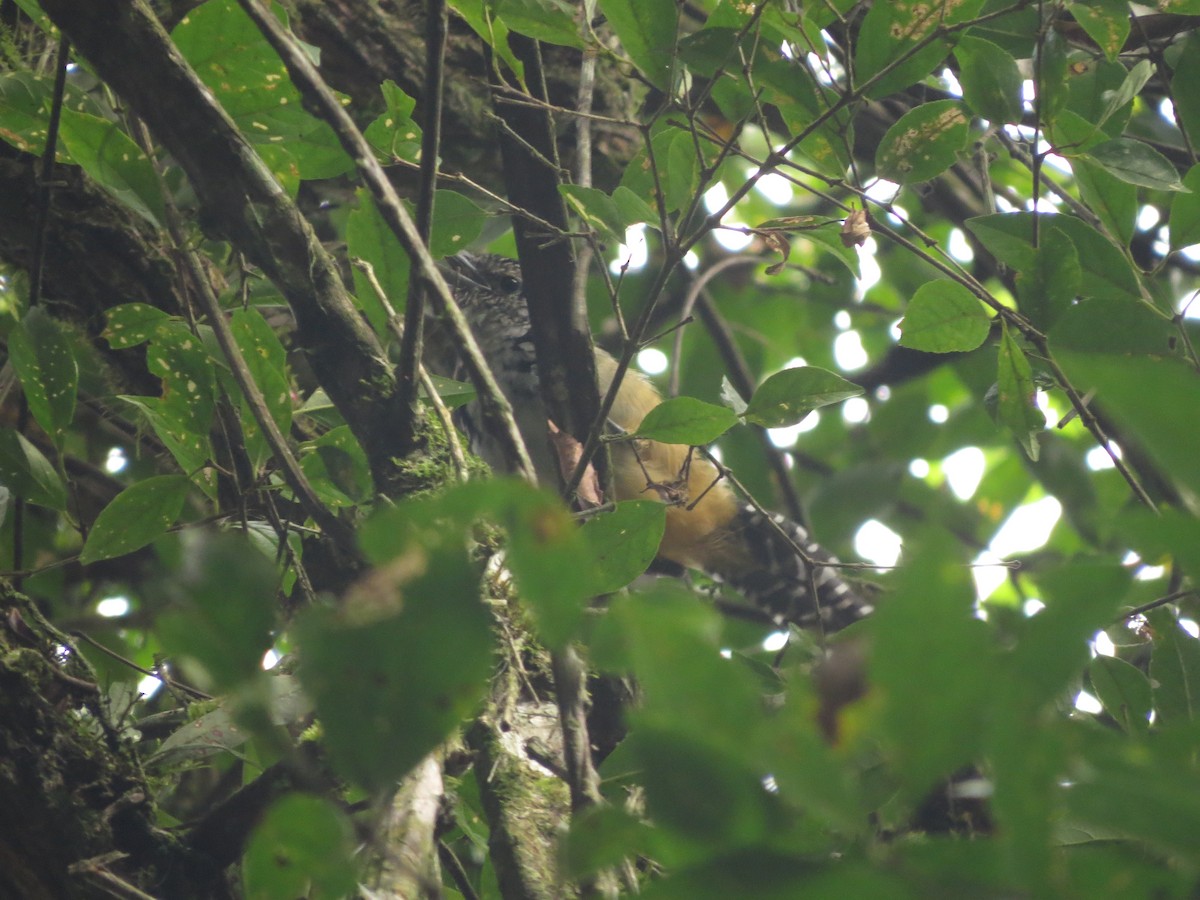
(1154, 604)
(431, 133)
(454, 866)
(46, 174)
(170, 682)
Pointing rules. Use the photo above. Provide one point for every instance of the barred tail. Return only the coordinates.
(761, 562)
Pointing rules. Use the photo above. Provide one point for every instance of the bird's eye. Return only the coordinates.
(510, 284)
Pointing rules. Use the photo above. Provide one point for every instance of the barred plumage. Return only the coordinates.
(729, 540)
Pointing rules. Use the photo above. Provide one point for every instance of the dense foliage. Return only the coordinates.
(985, 389)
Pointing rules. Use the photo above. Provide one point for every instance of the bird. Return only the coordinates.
(770, 560)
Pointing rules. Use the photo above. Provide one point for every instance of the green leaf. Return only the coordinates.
(1053, 86)
(728, 809)
(25, 101)
(546, 552)
(1046, 290)
(1110, 198)
(131, 324)
(24, 111)
(686, 420)
(893, 30)
(222, 608)
(944, 317)
(493, 32)
(933, 667)
(632, 209)
(652, 184)
(190, 447)
(1016, 405)
(554, 570)
(1128, 791)
(1159, 535)
(248, 79)
(830, 238)
(598, 210)
(1174, 669)
(647, 34)
(602, 836)
(453, 393)
(218, 730)
(45, 362)
(1157, 399)
(1130, 87)
(679, 169)
(303, 847)
(456, 223)
(923, 143)
(624, 542)
(788, 396)
(114, 162)
(1105, 21)
(135, 517)
(991, 81)
(25, 470)
(1106, 270)
(182, 415)
(1081, 597)
(709, 49)
(1112, 325)
(267, 361)
(765, 875)
(1137, 163)
(1187, 102)
(394, 135)
(1007, 236)
(1185, 212)
(552, 21)
(1124, 692)
(426, 660)
(337, 467)
(1025, 759)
